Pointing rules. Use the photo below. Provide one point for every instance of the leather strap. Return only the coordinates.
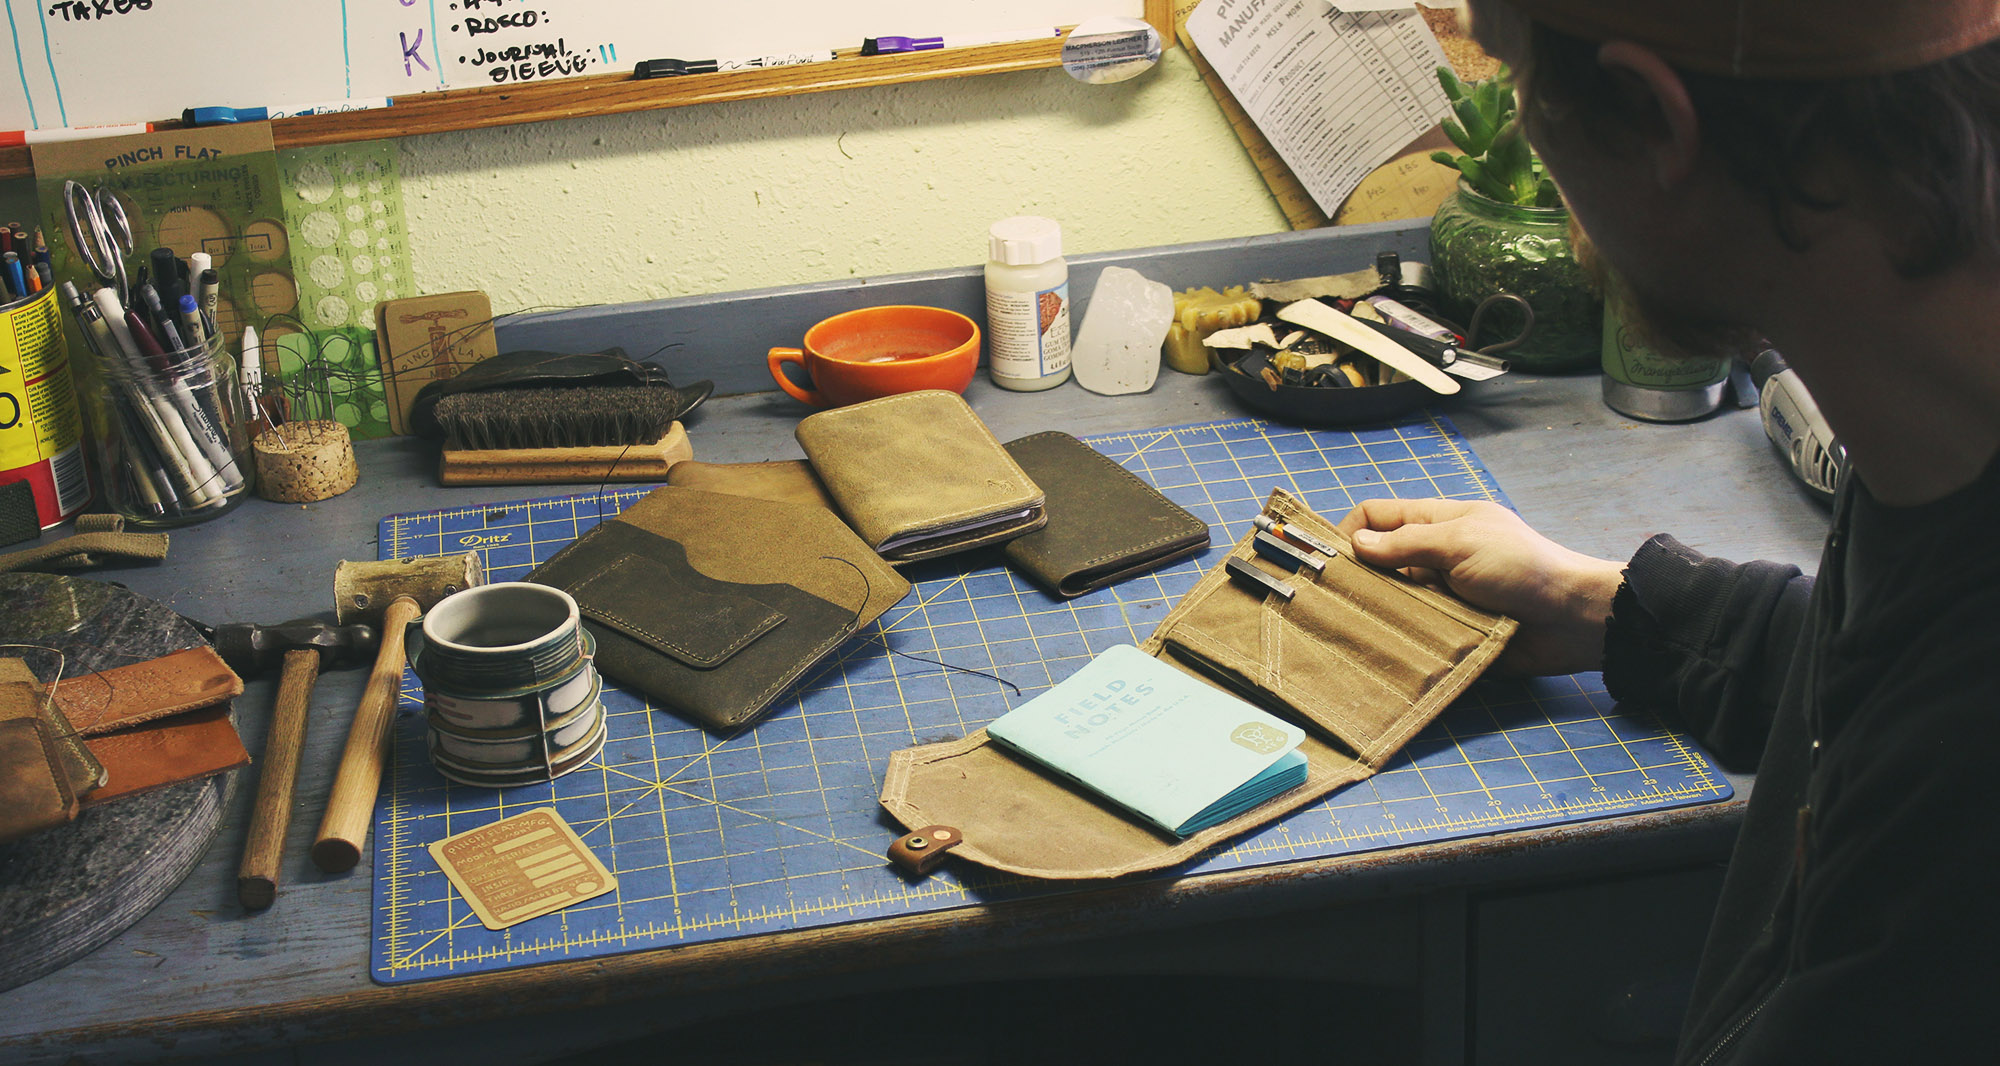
(124, 696)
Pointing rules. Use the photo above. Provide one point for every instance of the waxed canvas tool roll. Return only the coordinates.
(712, 605)
(1359, 658)
(1105, 523)
(918, 475)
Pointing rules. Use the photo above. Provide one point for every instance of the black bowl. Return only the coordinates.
(1311, 405)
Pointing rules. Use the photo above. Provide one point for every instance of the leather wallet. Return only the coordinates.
(1105, 524)
(784, 480)
(1359, 658)
(713, 605)
(918, 475)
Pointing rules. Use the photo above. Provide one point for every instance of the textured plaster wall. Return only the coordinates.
(824, 186)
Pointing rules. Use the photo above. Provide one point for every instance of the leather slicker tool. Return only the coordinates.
(299, 649)
(391, 595)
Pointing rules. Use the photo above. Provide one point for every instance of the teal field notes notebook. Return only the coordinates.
(1178, 753)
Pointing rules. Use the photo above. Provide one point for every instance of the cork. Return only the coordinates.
(300, 462)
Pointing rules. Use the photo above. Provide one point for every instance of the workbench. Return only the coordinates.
(200, 978)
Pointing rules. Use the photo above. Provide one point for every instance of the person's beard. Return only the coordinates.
(1671, 332)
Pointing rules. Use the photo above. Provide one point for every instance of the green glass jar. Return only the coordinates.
(1480, 246)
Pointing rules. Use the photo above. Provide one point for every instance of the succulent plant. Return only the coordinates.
(1486, 127)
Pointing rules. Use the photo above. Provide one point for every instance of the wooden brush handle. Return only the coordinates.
(271, 813)
(351, 804)
(542, 466)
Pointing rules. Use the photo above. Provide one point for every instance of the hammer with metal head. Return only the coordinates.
(396, 592)
(303, 646)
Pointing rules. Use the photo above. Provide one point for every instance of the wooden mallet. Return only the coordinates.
(389, 595)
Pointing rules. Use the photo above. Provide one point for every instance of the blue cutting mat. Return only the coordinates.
(778, 827)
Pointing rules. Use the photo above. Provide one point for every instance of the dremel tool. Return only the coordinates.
(1793, 422)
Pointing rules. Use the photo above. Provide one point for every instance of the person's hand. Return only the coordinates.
(1488, 557)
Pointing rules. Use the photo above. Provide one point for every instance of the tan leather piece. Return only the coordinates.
(1360, 658)
(141, 692)
(183, 748)
(785, 480)
(34, 792)
(1782, 38)
(86, 550)
(22, 696)
(709, 525)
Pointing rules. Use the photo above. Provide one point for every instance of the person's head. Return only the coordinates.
(1691, 134)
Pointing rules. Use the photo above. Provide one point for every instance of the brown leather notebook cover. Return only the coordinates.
(783, 480)
(715, 605)
(918, 475)
(1105, 523)
(1359, 658)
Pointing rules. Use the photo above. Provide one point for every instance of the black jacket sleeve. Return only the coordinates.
(1707, 642)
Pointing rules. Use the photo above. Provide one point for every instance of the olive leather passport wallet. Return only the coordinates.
(918, 475)
(1105, 524)
(713, 605)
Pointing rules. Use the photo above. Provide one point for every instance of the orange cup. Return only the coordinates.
(881, 351)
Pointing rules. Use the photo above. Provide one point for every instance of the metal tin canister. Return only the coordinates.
(41, 432)
(511, 696)
(1644, 384)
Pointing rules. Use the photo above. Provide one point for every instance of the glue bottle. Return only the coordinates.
(1027, 304)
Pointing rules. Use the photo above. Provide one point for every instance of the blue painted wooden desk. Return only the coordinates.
(200, 978)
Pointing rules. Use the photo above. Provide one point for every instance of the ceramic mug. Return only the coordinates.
(881, 351)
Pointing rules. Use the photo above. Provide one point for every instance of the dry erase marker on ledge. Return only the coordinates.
(15, 138)
(882, 46)
(674, 68)
(222, 116)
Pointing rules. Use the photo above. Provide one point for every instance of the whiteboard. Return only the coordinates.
(94, 62)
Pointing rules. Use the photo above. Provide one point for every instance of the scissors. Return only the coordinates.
(102, 234)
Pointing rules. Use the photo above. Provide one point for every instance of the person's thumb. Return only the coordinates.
(1427, 545)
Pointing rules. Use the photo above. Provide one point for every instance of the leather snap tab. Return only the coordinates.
(920, 852)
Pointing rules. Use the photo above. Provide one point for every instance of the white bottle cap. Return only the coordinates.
(1024, 240)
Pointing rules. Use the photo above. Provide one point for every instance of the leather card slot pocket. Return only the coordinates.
(1350, 660)
(667, 606)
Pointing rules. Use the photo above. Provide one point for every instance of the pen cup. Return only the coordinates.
(170, 434)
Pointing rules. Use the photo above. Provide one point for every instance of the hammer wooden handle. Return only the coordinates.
(271, 814)
(351, 804)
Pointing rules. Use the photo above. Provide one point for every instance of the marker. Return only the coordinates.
(222, 116)
(884, 46)
(15, 138)
(785, 59)
(190, 311)
(674, 68)
(1266, 523)
(250, 368)
(16, 283)
(333, 107)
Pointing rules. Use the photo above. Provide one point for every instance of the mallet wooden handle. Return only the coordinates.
(351, 804)
(271, 814)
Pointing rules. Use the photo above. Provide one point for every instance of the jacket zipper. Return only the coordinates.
(1742, 1023)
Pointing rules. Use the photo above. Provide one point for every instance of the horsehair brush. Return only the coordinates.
(543, 435)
